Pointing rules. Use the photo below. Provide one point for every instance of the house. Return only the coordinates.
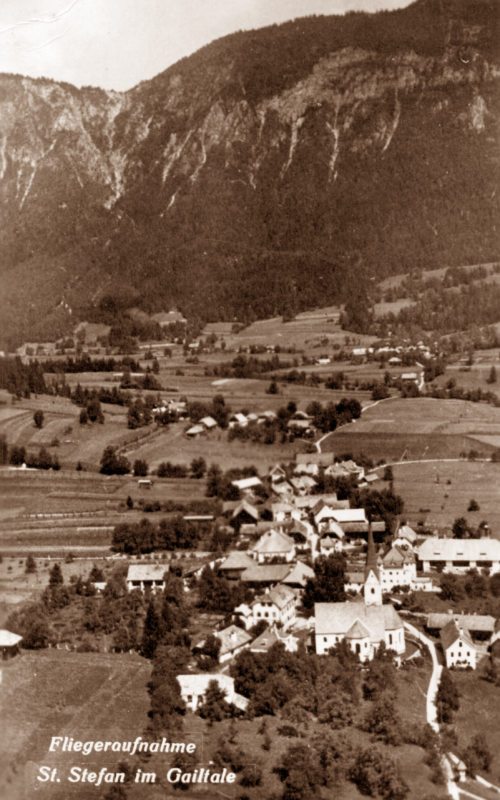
(277, 473)
(261, 575)
(397, 568)
(345, 469)
(209, 423)
(298, 576)
(283, 489)
(272, 636)
(328, 545)
(405, 537)
(92, 332)
(235, 565)
(195, 430)
(458, 647)
(325, 519)
(166, 318)
(350, 516)
(193, 689)
(310, 463)
(274, 545)
(365, 624)
(9, 643)
(146, 576)
(238, 420)
(459, 555)
(233, 639)
(276, 606)
(416, 378)
(284, 512)
(244, 513)
(480, 627)
(247, 484)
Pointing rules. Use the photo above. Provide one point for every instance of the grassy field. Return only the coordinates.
(478, 713)
(53, 693)
(419, 428)
(445, 489)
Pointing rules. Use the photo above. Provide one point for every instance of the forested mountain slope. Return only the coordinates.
(272, 171)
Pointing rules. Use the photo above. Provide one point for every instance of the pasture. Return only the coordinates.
(418, 428)
(445, 489)
(49, 693)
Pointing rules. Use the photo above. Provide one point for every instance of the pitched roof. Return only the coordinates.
(198, 683)
(407, 533)
(208, 422)
(349, 515)
(357, 631)
(451, 633)
(279, 596)
(338, 618)
(195, 430)
(237, 559)
(244, 505)
(299, 574)
(371, 555)
(484, 549)
(274, 542)
(247, 483)
(395, 557)
(232, 638)
(265, 573)
(471, 622)
(146, 572)
(9, 639)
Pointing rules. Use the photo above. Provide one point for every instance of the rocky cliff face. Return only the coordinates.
(240, 186)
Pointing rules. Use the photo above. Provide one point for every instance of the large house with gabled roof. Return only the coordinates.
(274, 545)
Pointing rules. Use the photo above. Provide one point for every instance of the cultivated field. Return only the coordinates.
(438, 492)
(419, 428)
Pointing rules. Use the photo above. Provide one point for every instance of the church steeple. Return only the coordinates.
(372, 588)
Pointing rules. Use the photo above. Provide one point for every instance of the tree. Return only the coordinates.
(129, 503)
(198, 468)
(17, 456)
(96, 575)
(492, 376)
(272, 388)
(215, 706)
(490, 673)
(375, 773)
(30, 566)
(209, 653)
(388, 474)
(447, 699)
(38, 418)
(383, 721)
(327, 586)
(112, 463)
(151, 631)
(478, 756)
(84, 417)
(141, 468)
(56, 576)
(460, 528)
(452, 587)
(473, 505)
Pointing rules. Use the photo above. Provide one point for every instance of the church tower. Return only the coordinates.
(372, 588)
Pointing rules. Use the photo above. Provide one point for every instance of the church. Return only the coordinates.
(365, 623)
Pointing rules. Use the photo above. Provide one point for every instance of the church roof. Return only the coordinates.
(339, 618)
(357, 631)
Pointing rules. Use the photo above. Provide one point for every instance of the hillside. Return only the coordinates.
(292, 157)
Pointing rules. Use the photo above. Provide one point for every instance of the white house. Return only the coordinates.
(146, 576)
(193, 689)
(284, 512)
(9, 644)
(233, 640)
(397, 568)
(276, 607)
(247, 484)
(274, 545)
(238, 420)
(272, 636)
(459, 555)
(458, 647)
(209, 423)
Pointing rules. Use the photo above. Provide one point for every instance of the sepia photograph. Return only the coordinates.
(249, 399)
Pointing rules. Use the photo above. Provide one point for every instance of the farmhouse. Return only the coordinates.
(276, 606)
(247, 484)
(193, 689)
(233, 640)
(481, 627)
(146, 576)
(238, 420)
(398, 568)
(208, 423)
(274, 545)
(459, 555)
(459, 649)
(166, 318)
(235, 565)
(9, 643)
(194, 431)
(272, 636)
(244, 513)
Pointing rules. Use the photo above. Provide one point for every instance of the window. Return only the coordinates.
(390, 638)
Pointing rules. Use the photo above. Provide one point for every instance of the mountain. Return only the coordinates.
(271, 171)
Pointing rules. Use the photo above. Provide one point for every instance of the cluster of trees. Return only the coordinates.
(479, 592)
(197, 469)
(22, 380)
(217, 409)
(170, 533)
(332, 415)
(112, 463)
(41, 460)
(248, 366)
(218, 595)
(219, 483)
(261, 433)
(87, 363)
